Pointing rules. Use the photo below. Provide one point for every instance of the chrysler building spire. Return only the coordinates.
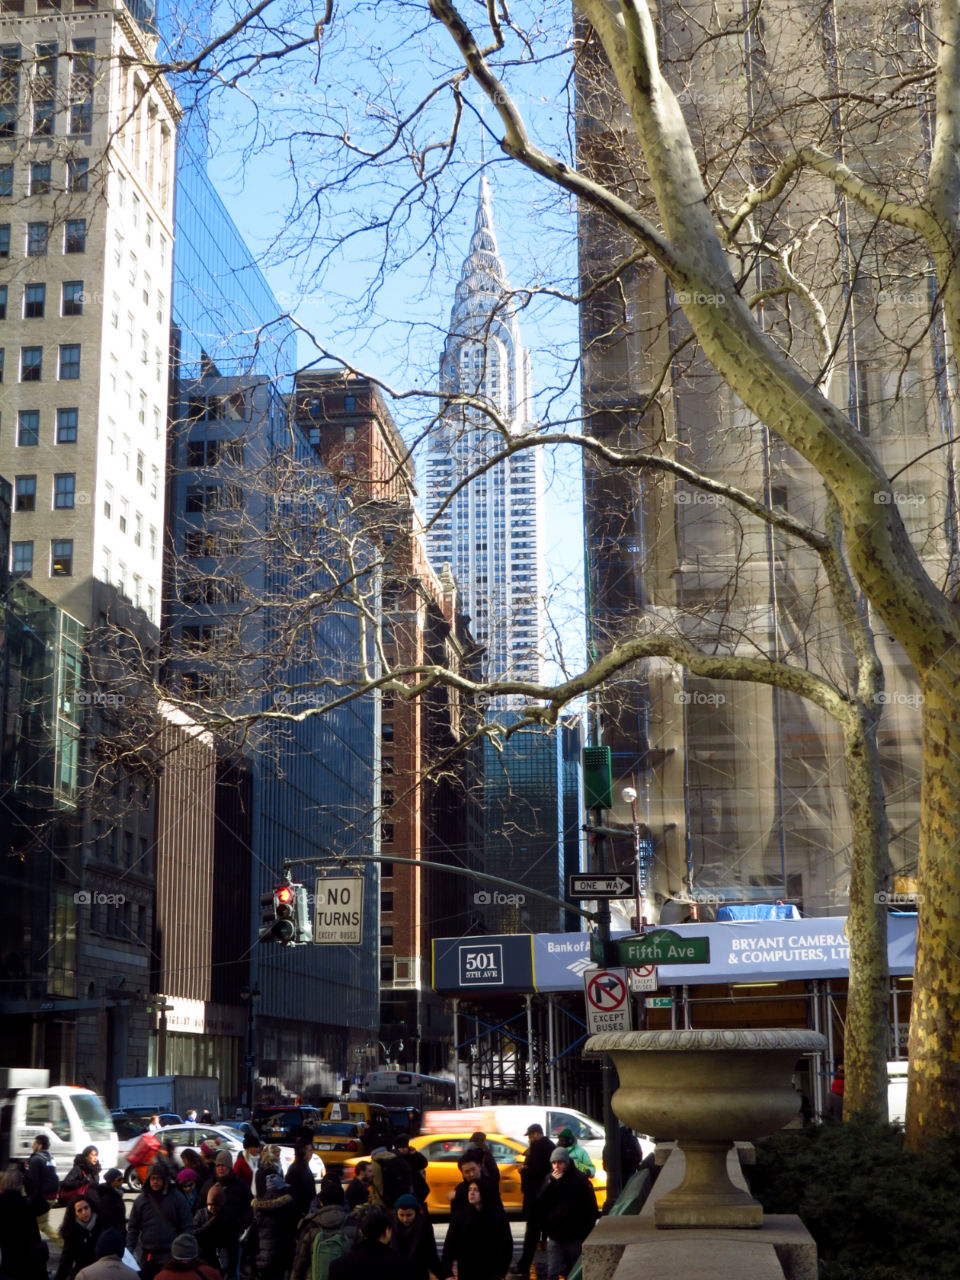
(490, 530)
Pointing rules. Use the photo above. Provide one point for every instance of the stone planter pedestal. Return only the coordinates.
(707, 1090)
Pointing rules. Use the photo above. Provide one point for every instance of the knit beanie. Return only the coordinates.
(560, 1154)
(406, 1201)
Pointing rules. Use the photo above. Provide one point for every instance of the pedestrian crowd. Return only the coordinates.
(200, 1214)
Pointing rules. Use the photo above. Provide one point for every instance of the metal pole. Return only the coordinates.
(610, 1123)
(530, 1097)
(456, 1053)
(551, 1048)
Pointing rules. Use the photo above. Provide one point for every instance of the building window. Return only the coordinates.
(386, 897)
(3, 302)
(4, 239)
(349, 435)
(67, 426)
(40, 178)
(72, 298)
(31, 364)
(386, 935)
(45, 90)
(69, 361)
(28, 427)
(140, 464)
(138, 530)
(61, 558)
(9, 89)
(78, 171)
(386, 732)
(25, 493)
(386, 833)
(6, 179)
(21, 559)
(124, 509)
(64, 491)
(34, 298)
(349, 404)
(38, 235)
(75, 236)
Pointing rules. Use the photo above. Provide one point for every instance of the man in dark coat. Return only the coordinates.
(300, 1179)
(158, 1216)
(567, 1208)
(358, 1188)
(417, 1165)
(471, 1170)
(372, 1258)
(536, 1168)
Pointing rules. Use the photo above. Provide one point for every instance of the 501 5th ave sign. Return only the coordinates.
(338, 917)
(602, 886)
(664, 947)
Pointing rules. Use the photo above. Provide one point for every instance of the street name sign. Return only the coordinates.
(644, 978)
(608, 1003)
(338, 911)
(659, 1002)
(615, 885)
(663, 946)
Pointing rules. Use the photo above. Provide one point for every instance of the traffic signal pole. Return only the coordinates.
(609, 1079)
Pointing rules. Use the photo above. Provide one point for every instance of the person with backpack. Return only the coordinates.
(83, 1179)
(413, 1237)
(185, 1262)
(372, 1258)
(158, 1216)
(325, 1234)
(79, 1231)
(392, 1178)
(42, 1182)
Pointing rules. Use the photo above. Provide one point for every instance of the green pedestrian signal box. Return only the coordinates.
(597, 778)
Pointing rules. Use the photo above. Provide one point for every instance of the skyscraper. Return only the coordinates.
(489, 530)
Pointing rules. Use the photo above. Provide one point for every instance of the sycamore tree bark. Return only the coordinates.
(687, 246)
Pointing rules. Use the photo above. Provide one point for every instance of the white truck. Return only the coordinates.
(174, 1095)
(71, 1118)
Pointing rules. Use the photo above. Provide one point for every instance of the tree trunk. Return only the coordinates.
(866, 1035)
(933, 1097)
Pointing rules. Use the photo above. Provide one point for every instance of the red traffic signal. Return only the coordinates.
(284, 894)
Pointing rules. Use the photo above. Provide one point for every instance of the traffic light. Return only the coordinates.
(285, 916)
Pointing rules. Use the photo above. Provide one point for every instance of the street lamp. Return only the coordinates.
(629, 795)
(387, 1048)
(250, 997)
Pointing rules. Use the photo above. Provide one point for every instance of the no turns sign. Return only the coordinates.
(608, 1006)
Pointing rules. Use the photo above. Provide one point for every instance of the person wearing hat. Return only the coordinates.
(536, 1168)
(112, 1210)
(235, 1216)
(189, 1188)
(245, 1166)
(579, 1155)
(185, 1261)
(567, 1209)
(329, 1217)
(269, 1244)
(413, 1237)
(109, 1264)
(158, 1216)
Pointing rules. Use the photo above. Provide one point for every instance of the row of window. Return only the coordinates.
(61, 558)
(120, 581)
(76, 177)
(31, 363)
(35, 300)
(44, 82)
(28, 424)
(38, 233)
(64, 492)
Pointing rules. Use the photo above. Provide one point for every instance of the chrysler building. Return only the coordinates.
(489, 530)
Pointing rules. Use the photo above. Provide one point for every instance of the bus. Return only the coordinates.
(410, 1089)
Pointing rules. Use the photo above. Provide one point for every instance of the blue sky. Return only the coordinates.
(308, 208)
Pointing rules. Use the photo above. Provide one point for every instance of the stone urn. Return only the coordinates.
(707, 1090)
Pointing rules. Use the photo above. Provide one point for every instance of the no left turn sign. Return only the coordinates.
(608, 1006)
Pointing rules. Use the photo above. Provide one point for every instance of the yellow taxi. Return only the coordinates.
(443, 1150)
(337, 1141)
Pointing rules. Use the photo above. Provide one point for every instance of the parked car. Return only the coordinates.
(277, 1124)
(230, 1139)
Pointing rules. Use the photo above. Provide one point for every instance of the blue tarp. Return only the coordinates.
(759, 911)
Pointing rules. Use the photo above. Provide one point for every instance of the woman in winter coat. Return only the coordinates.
(83, 1178)
(110, 1207)
(189, 1188)
(270, 1242)
(24, 1254)
(413, 1237)
(80, 1231)
(478, 1240)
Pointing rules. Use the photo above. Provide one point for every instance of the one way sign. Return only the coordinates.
(615, 885)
